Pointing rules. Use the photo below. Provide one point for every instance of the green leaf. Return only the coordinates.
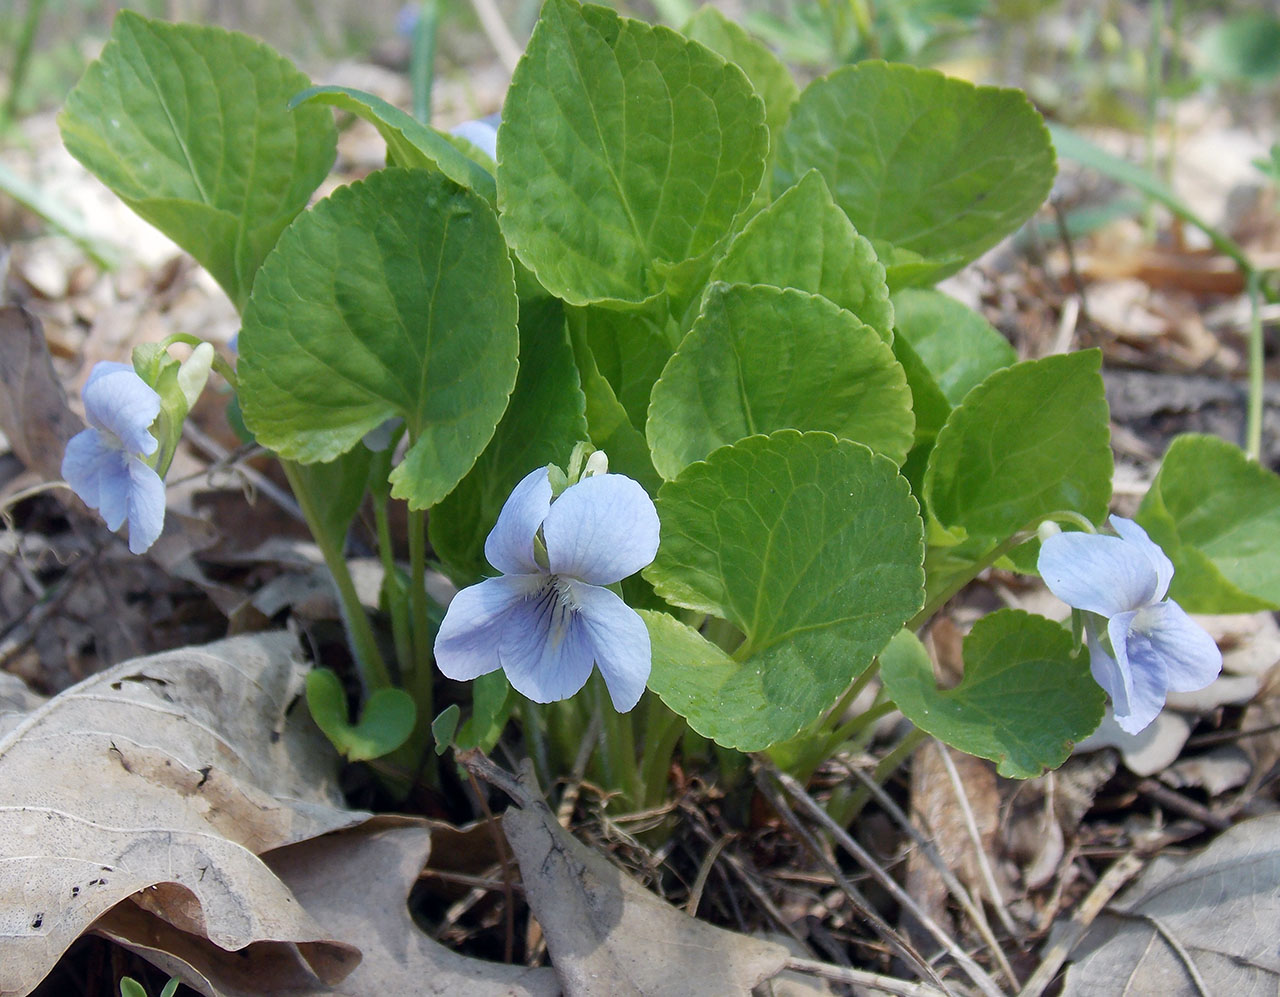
(1245, 48)
(129, 987)
(812, 547)
(763, 358)
(931, 168)
(608, 425)
(190, 126)
(767, 73)
(625, 151)
(394, 296)
(630, 350)
(928, 403)
(385, 724)
(1217, 515)
(410, 143)
(804, 241)
(444, 726)
(958, 345)
(1024, 702)
(1031, 439)
(491, 706)
(546, 417)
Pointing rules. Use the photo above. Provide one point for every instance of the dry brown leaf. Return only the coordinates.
(33, 404)
(607, 934)
(163, 779)
(1198, 924)
(356, 884)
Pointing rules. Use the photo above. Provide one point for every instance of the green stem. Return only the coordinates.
(662, 732)
(856, 725)
(1257, 370)
(940, 598)
(422, 685)
(22, 58)
(617, 744)
(364, 645)
(422, 61)
(400, 627)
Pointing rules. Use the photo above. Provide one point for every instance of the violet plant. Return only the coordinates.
(676, 256)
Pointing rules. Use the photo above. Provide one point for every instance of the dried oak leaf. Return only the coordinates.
(162, 780)
(607, 934)
(1196, 924)
(356, 884)
(34, 414)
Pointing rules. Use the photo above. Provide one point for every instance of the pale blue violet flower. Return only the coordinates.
(1141, 645)
(548, 617)
(105, 464)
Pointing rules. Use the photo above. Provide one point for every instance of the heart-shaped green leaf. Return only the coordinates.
(1031, 439)
(1217, 515)
(763, 358)
(625, 151)
(812, 547)
(545, 418)
(393, 297)
(933, 170)
(958, 345)
(804, 241)
(1024, 700)
(767, 73)
(190, 126)
(410, 143)
(386, 723)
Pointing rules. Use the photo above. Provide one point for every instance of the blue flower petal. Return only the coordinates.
(114, 487)
(547, 650)
(620, 641)
(1100, 574)
(1145, 669)
(1134, 535)
(509, 547)
(601, 530)
(146, 505)
(117, 400)
(85, 464)
(470, 636)
(1191, 658)
(1107, 673)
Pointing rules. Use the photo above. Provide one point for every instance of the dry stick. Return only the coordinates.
(863, 978)
(1172, 941)
(704, 871)
(1120, 872)
(895, 941)
(212, 448)
(497, 31)
(1189, 808)
(984, 866)
(975, 972)
(930, 850)
(569, 800)
(508, 893)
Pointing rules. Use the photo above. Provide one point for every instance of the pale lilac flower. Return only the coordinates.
(1141, 645)
(548, 617)
(104, 465)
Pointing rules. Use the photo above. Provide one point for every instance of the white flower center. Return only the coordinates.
(555, 607)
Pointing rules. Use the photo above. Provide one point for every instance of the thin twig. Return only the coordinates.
(957, 890)
(984, 865)
(212, 448)
(704, 870)
(496, 30)
(895, 941)
(1120, 872)
(1188, 963)
(863, 978)
(1188, 808)
(569, 800)
(975, 972)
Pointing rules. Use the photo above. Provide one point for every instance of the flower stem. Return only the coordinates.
(421, 666)
(662, 732)
(1257, 368)
(400, 627)
(364, 645)
(617, 745)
